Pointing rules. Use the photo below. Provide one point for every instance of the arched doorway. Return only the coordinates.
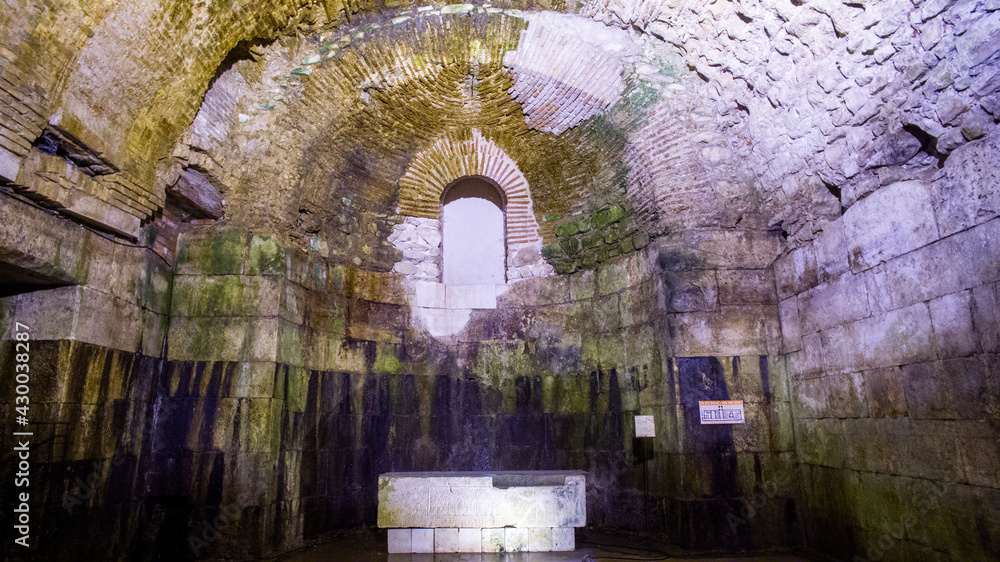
(473, 245)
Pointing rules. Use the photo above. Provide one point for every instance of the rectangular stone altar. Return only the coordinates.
(525, 511)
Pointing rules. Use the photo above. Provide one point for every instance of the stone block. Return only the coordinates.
(445, 540)
(493, 540)
(967, 192)
(563, 539)
(885, 392)
(735, 330)
(986, 317)
(211, 251)
(485, 500)
(962, 261)
(832, 396)
(266, 256)
(540, 539)
(796, 272)
(223, 339)
(951, 317)
(693, 291)
(791, 324)
(928, 391)
(422, 540)
(470, 540)
(226, 295)
(379, 287)
(516, 539)
(746, 286)
(842, 299)
(612, 277)
(750, 249)
(980, 447)
(582, 285)
(897, 337)
(473, 297)
(10, 165)
(931, 451)
(894, 220)
(429, 294)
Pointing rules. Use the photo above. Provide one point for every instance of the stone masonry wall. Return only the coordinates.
(300, 382)
(889, 323)
(93, 365)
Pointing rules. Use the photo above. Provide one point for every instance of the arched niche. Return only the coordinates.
(473, 232)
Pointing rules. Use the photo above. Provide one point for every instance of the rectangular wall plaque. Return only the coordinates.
(644, 426)
(721, 411)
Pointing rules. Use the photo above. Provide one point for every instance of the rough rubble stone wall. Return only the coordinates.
(827, 96)
(889, 321)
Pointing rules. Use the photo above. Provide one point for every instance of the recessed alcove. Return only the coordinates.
(473, 233)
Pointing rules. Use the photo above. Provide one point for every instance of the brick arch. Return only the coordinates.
(437, 167)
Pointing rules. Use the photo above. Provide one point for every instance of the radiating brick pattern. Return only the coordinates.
(559, 80)
(431, 171)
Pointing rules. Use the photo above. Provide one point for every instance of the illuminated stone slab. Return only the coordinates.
(543, 507)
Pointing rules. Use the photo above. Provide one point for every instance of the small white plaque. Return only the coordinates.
(714, 412)
(644, 426)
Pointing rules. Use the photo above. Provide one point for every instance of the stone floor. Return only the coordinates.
(371, 547)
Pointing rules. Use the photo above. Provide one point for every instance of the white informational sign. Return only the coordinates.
(721, 411)
(644, 426)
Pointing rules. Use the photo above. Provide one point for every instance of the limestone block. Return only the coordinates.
(840, 300)
(563, 539)
(896, 219)
(746, 286)
(895, 338)
(223, 339)
(481, 296)
(968, 190)
(986, 316)
(958, 262)
(211, 251)
(516, 539)
(884, 392)
(951, 317)
(226, 295)
(735, 330)
(796, 271)
(469, 540)
(422, 540)
(540, 539)
(582, 285)
(485, 500)
(400, 541)
(429, 294)
(791, 324)
(694, 291)
(493, 540)
(10, 165)
(445, 540)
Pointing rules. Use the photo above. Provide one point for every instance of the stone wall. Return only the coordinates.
(889, 323)
(93, 362)
(289, 384)
(317, 379)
